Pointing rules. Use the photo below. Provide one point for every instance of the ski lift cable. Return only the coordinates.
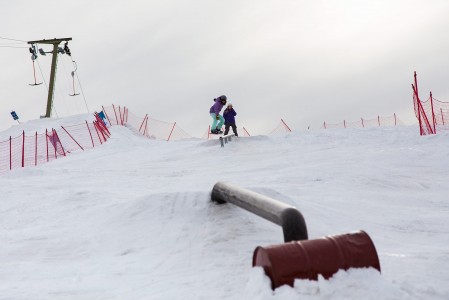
(42, 74)
(73, 73)
(21, 47)
(74, 105)
(79, 83)
(11, 43)
(66, 72)
(58, 89)
(9, 39)
(82, 92)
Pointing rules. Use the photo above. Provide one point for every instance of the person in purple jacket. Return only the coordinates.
(229, 116)
(217, 119)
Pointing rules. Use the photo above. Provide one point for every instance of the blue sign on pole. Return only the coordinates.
(103, 117)
(14, 115)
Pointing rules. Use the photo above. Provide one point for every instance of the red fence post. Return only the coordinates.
(35, 150)
(23, 148)
(418, 103)
(72, 137)
(55, 145)
(46, 141)
(433, 114)
(146, 116)
(286, 125)
(208, 132)
(93, 145)
(101, 124)
(171, 132)
(416, 98)
(415, 91)
(10, 153)
(106, 115)
(146, 127)
(442, 117)
(115, 113)
(101, 130)
(96, 129)
(421, 111)
(426, 120)
(120, 114)
(56, 136)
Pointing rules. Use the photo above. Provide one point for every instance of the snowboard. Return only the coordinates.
(217, 133)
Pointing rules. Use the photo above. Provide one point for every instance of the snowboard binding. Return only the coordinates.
(216, 131)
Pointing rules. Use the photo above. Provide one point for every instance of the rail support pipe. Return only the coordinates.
(288, 217)
(224, 139)
(307, 259)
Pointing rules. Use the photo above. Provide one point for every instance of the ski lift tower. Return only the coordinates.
(54, 61)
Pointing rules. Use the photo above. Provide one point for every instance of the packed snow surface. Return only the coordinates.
(132, 219)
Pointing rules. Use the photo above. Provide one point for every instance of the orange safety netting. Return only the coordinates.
(432, 114)
(282, 127)
(32, 150)
(441, 114)
(149, 127)
(366, 123)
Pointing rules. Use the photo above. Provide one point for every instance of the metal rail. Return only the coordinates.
(288, 217)
(224, 139)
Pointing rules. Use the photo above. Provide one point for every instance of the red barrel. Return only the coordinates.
(306, 259)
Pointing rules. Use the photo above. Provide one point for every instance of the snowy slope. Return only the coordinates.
(132, 219)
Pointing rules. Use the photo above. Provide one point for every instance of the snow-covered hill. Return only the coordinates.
(132, 219)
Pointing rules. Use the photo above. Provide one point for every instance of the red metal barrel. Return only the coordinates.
(306, 259)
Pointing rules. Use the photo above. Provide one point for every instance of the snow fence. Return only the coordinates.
(366, 123)
(282, 127)
(39, 148)
(148, 127)
(432, 114)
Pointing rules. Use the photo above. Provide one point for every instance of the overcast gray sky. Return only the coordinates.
(303, 61)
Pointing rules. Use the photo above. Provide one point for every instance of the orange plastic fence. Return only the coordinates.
(366, 123)
(432, 114)
(281, 128)
(149, 127)
(441, 114)
(36, 149)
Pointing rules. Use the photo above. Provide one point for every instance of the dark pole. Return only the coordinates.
(54, 61)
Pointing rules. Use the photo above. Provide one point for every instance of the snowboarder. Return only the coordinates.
(217, 119)
(229, 116)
